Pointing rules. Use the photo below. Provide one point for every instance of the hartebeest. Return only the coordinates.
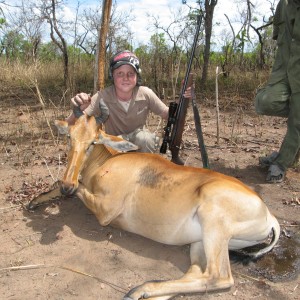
(148, 195)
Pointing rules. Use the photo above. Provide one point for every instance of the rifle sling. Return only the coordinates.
(199, 132)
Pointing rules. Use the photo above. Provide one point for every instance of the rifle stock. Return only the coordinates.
(178, 126)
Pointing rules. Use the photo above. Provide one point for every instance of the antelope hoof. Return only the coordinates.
(142, 291)
(130, 295)
(32, 205)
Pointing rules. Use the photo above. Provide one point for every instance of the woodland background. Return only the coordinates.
(53, 59)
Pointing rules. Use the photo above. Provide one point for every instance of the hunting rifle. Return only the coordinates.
(177, 112)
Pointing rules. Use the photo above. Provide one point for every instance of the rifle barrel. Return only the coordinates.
(176, 136)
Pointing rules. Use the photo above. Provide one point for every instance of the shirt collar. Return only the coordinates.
(109, 94)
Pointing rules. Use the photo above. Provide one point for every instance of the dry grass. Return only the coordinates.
(22, 75)
(32, 97)
(34, 93)
(48, 76)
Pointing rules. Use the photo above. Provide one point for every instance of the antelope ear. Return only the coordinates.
(115, 142)
(62, 126)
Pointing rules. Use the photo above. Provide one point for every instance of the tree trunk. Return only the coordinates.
(209, 13)
(99, 81)
(62, 44)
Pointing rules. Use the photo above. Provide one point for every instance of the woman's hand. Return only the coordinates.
(188, 93)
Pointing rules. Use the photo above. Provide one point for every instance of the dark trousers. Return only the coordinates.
(278, 100)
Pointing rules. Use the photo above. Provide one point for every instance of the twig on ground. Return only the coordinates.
(59, 167)
(112, 285)
(294, 289)
(290, 225)
(50, 173)
(26, 267)
(269, 283)
(40, 266)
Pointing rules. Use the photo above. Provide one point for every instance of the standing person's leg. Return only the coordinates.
(297, 160)
(291, 143)
(273, 100)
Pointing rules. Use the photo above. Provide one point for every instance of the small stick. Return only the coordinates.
(217, 107)
(27, 267)
(49, 170)
(295, 288)
(59, 163)
(112, 285)
(290, 225)
(254, 279)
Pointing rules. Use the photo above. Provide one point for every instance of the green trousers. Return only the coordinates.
(146, 141)
(278, 100)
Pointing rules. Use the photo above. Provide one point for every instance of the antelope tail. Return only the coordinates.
(275, 238)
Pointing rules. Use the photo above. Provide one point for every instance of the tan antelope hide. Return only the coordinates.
(148, 195)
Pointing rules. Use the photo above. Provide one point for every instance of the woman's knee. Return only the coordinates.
(146, 140)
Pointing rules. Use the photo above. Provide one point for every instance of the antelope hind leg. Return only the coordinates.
(194, 281)
(157, 290)
(45, 197)
(217, 275)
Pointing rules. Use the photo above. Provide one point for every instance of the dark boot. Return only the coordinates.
(266, 161)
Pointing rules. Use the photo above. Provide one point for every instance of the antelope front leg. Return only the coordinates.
(45, 197)
(103, 206)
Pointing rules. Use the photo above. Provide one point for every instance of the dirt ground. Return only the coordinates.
(59, 251)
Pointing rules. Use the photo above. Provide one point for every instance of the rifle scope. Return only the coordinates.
(168, 128)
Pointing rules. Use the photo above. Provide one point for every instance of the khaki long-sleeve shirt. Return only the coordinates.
(120, 120)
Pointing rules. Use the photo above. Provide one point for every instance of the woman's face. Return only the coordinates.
(125, 78)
